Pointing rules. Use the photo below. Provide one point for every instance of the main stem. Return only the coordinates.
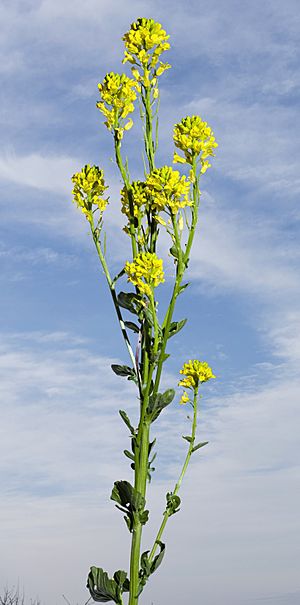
(140, 485)
(142, 450)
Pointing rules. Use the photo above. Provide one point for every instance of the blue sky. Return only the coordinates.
(236, 539)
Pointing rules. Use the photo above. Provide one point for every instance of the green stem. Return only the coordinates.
(141, 465)
(155, 322)
(148, 128)
(141, 472)
(166, 514)
(182, 262)
(111, 284)
(129, 193)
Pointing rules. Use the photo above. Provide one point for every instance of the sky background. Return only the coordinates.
(236, 539)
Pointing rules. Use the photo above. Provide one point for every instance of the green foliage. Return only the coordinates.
(173, 503)
(199, 445)
(183, 287)
(158, 403)
(148, 567)
(187, 438)
(124, 371)
(131, 502)
(127, 421)
(129, 301)
(176, 326)
(103, 589)
(132, 326)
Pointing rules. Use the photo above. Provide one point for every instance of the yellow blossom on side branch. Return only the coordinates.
(195, 138)
(184, 398)
(195, 371)
(118, 93)
(145, 272)
(168, 189)
(89, 187)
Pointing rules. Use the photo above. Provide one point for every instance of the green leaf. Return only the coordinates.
(145, 564)
(148, 568)
(132, 326)
(122, 370)
(129, 455)
(167, 397)
(126, 371)
(120, 577)
(176, 326)
(148, 315)
(174, 252)
(158, 559)
(127, 421)
(173, 503)
(197, 447)
(123, 493)
(144, 516)
(129, 301)
(101, 587)
(183, 287)
(187, 438)
(153, 458)
(130, 501)
(161, 401)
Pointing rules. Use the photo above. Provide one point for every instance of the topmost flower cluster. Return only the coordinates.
(144, 43)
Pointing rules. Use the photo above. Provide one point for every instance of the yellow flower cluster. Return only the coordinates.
(195, 371)
(144, 43)
(89, 187)
(145, 272)
(118, 92)
(168, 189)
(193, 136)
(139, 199)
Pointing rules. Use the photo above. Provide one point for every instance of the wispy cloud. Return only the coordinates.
(45, 173)
(61, 441)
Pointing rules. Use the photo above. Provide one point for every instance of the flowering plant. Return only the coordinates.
(165, 200)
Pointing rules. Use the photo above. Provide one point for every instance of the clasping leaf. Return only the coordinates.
(161, 401)
(130, 501)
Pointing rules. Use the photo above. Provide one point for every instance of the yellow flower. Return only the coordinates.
(184, 398)
(159, 220)
(139, 199)
(89, 187)
(118, 92)
(168, 189)
(145, 272)
(195, 371)
(194, 137)
(144, 43)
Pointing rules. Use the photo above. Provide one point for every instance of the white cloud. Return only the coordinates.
(282, 330)
(234, 251)
(61, 447)
(40, 172)
(34, 256)
(255, 146)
